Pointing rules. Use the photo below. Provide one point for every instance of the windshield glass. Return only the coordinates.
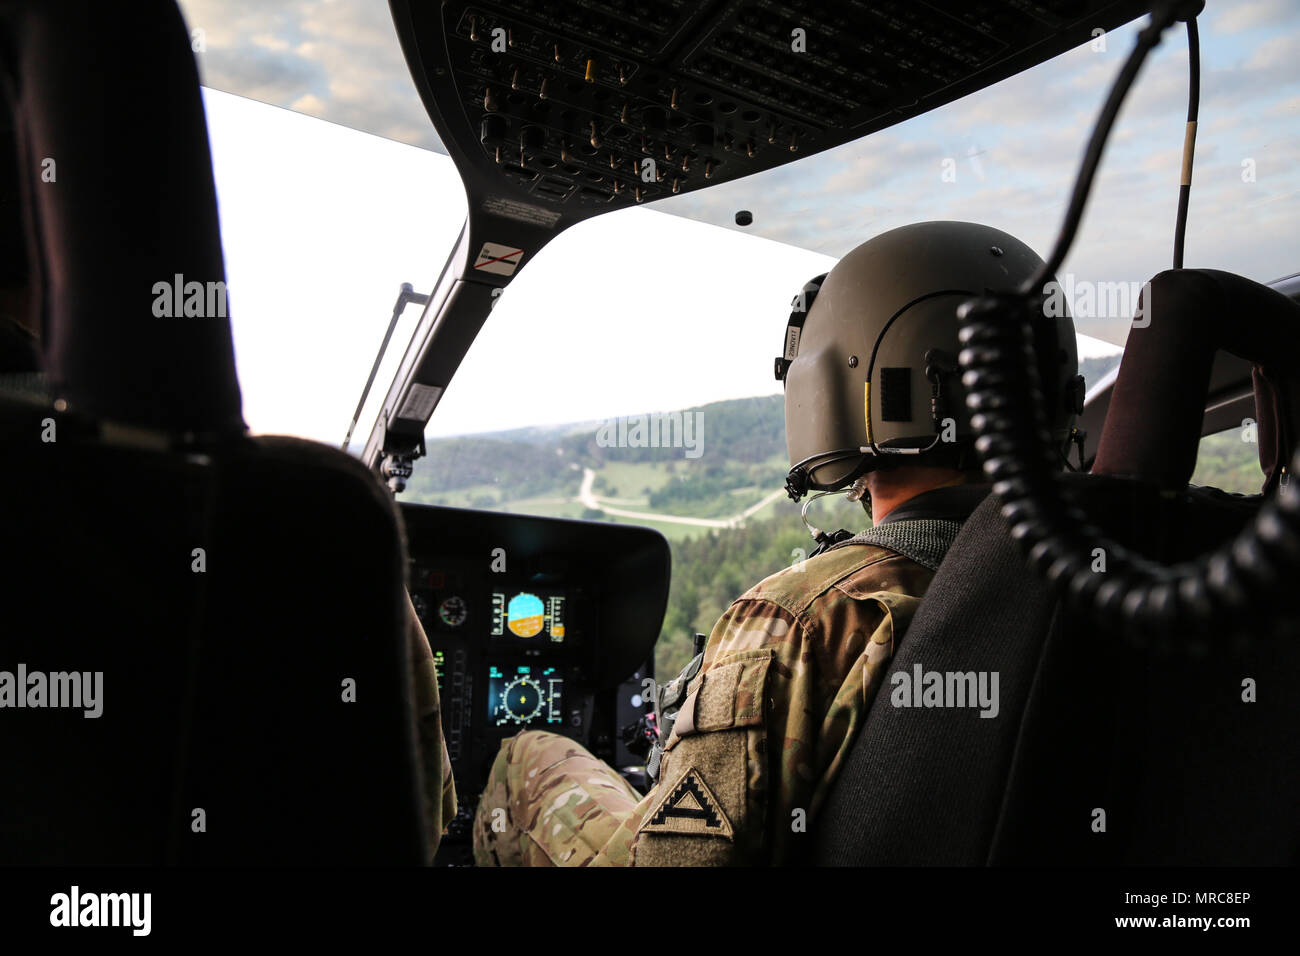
(1008, 155)
(641, 313)
(320, 226)
(626, 374)
(337, 60)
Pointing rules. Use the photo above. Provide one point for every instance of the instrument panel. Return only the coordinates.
(509, 655)
(535, 624)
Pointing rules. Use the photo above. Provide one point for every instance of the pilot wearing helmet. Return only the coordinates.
(755, 730)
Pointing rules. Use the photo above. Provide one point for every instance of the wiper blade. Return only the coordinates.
(405, 296)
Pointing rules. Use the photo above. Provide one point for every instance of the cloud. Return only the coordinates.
(1229, 18)
(340, 62)
(269, 42)
(1030, 132)
(309, 103)
(1276, 53)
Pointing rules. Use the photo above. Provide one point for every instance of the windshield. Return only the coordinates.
(320, 226)
(626, 373)
(653, 325)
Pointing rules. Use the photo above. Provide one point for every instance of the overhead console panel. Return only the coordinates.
(559, 110)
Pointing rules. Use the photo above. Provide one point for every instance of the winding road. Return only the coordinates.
(589, 500)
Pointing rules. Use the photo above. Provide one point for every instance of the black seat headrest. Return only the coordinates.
(1153, 425)
(113, 148)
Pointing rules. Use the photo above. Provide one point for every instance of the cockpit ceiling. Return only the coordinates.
(578, 107)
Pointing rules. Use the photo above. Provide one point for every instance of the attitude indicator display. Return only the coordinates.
(529, 616)
(525, 696)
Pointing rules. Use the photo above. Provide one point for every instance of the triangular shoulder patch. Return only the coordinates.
(688, 807)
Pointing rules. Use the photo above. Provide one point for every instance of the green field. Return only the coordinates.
(549, 507)
(472, 496)
(632, 480)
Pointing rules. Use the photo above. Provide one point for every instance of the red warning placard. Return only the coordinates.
(498, 259)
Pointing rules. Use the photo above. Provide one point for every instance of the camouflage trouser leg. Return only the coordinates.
(548, 802)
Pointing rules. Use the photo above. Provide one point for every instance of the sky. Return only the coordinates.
(673, 305)
(1016, 148)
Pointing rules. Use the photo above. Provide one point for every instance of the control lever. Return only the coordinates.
(668, 701)
(638, 737)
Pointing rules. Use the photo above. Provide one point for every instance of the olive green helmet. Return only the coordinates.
(870, 354)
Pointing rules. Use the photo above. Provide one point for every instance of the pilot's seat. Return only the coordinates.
(241, 597)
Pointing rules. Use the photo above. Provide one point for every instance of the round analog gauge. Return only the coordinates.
(522, 699)
(452, 611)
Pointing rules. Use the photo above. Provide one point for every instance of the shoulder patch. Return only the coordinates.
(796, 588)
(688, 807)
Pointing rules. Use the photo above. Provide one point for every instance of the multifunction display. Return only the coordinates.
(525, 696)
(531, 615)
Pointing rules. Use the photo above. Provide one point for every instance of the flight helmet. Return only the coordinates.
(869, 362)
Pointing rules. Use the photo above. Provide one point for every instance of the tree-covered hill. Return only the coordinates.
(700, 456)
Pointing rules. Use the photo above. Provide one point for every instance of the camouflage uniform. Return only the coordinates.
(788, 674)
(439, 788)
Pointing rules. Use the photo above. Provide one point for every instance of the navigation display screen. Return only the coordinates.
(525, 696)
(529, 615)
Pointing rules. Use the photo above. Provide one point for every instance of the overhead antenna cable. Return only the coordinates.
(1189, 138)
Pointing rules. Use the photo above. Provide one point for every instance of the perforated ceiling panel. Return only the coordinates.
(579, 106)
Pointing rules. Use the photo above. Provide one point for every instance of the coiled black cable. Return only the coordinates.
(1146, 600)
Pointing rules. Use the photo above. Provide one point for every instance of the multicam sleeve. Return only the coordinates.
(439, 786)
(766, 727)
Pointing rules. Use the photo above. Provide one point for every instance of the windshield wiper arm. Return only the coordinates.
(405, 296)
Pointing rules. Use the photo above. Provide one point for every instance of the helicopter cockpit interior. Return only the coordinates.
(225, 585)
